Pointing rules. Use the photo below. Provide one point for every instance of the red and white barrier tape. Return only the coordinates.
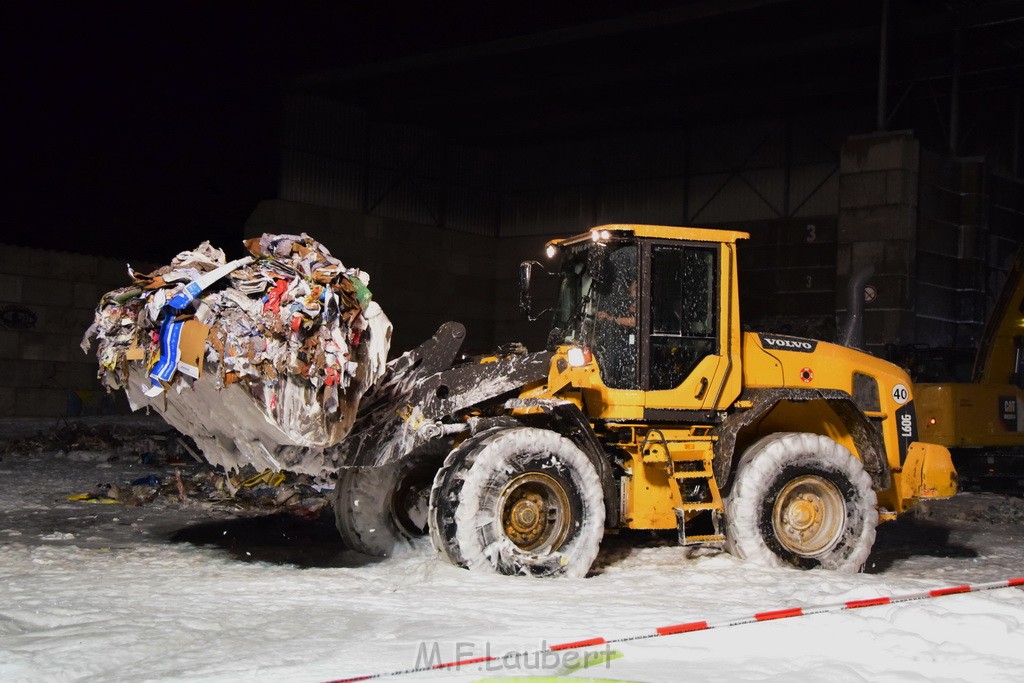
(704, 626)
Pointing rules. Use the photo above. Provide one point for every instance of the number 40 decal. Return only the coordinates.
(900, 394)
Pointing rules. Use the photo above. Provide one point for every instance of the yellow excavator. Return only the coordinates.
(982, 421)
(650, 409)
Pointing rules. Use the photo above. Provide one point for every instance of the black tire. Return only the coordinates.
(518, 501)
(380, 509)
(803, 500)
(444, 496)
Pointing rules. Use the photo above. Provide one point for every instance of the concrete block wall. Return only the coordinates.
(787, 276)
(952, 258)
(940, 232)
(47, 299)
(877, 226)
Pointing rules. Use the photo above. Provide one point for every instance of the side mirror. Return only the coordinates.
(598, 264)
(525, 273)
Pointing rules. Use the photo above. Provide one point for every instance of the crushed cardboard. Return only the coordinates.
(262, 360)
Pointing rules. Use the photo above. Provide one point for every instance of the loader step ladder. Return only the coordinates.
(688, 462)
(693, 473)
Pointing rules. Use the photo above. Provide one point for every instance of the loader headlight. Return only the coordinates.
(578, 357)
(551, 251)
(598, 235)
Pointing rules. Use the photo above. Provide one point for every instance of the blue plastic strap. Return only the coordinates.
(170, 337)
(185, 296)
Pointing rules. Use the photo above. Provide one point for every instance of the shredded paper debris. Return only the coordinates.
(262, 360)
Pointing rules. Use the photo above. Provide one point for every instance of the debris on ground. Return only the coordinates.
(261, 360)
(91, 498)
(176, 476)
(201, 484)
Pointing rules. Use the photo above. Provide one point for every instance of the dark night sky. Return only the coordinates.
(136, 130)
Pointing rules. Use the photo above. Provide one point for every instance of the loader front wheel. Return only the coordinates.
(381, 509)
(803, 500)
(519, 501)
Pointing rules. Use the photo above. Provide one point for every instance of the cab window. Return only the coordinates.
(684, 312)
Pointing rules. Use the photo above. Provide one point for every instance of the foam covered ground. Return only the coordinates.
(169, 592)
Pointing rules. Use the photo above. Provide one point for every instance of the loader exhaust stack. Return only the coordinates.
(852, 334)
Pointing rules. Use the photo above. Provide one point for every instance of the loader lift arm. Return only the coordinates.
(421, 388)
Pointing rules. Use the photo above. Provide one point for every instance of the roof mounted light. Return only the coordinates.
(551, 251)
(595, 235)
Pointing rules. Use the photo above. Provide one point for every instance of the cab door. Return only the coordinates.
(683, 365)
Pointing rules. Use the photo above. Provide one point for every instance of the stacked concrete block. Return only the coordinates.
(878, 194)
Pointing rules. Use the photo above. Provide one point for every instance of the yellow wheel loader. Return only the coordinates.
(650, 409)
(982, 421)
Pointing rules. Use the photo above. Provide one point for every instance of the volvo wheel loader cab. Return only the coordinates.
(652, 409)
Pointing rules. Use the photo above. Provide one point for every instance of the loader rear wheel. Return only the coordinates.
(518, 501)
(380, 509)
(803, 500)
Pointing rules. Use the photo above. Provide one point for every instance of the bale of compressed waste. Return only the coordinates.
(261, 360)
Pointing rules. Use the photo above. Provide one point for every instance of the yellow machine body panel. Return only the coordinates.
(927, 473)
(969, 415)
(585, 380)
(881, 390)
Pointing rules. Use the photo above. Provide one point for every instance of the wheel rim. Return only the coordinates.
(809, 515)
(535, 512)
